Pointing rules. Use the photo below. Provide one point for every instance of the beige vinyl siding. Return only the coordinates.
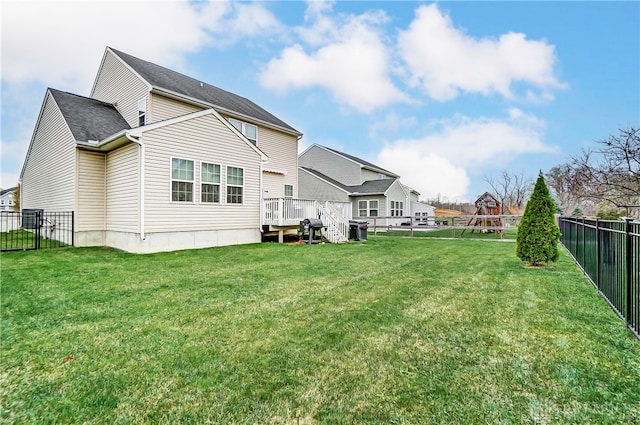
(382, 204)
(282, 167)
(198, 139)
(162, 108)
(330, 164)
(122, 189)
(282, 150)
(91, 191)
(118, 85)
(311, 187)
(48, 179)
(373, 175)
(396, 193)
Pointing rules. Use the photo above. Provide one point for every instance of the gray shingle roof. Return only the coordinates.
(369, 187)
(89, 119)
(362, 161)
(163, 78)
(11, 189)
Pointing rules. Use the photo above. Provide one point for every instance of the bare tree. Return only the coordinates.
(510, 189)
(565, 187)
(611, 172)
(16, 198)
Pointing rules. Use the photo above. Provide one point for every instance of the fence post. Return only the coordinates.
(629, 258)
(584, 245)
(598, 253)
(38, 228)
(411, 226)
(73, 228)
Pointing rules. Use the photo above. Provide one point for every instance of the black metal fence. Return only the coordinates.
(609, 254)
(35, 229)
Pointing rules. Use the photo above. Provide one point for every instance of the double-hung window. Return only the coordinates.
(210, 183)
(235, 185)
(142, 112)
(288, 191)
(368, 208)
(182, 179)
(250, 131)
(397, 208)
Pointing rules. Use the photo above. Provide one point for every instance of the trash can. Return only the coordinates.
(358, 230)
(308, 228)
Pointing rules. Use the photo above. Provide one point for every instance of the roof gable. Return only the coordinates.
(88, 119)
(362, 162)
(175, 83)
(370, 187)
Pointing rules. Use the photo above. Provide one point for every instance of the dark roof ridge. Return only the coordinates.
(165, 79)
(52, 90)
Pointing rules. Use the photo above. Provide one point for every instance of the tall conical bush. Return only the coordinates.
(538, 234)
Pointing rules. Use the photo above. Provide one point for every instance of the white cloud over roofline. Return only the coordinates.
(76, 34)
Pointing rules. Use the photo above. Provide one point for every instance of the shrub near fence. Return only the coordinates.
(35, 229)
(609, 254)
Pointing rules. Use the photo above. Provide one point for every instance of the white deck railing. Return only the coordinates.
(337, 229)
(283, 212)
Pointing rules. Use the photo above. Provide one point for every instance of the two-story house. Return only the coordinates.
(153, 160)
(6, 199)
(326, 174)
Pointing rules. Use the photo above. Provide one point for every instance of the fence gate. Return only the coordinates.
(35, 229)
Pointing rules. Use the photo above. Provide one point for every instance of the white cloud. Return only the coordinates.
(439, 163)
(12, 153)
(444, 61)
(352, 61)
(429, 173)
(60, 44)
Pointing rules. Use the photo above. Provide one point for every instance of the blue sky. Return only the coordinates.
(445, 94)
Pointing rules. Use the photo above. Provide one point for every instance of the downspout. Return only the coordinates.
(261, 197)
(139, 143)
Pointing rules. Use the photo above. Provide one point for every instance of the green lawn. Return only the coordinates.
(509, 234)
(24, 239)
(391, 331)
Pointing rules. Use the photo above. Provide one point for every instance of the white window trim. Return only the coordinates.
(227, 185)
(368, 201)
(285, 191)
(171, 180)
(397, 208)
(145, 114)
(243, 130)
(220, 190)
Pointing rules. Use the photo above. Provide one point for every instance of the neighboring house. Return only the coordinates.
(154, 160)
(6, 199)
(326, 174)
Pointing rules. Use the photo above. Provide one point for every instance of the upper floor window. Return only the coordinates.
(235, 185)
(142, 112)
(182, 178)
(288, 191)
(250, 131)
(210, 183)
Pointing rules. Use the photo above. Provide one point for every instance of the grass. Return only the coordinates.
(24, 239)
(389, 331)
(509, 234)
